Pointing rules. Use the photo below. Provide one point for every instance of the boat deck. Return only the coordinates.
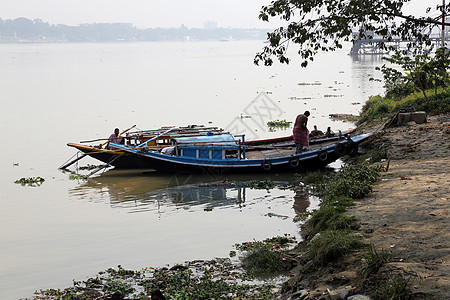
(263, 153)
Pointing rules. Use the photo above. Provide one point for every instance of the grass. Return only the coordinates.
(263, 259)
(373, 261)
(328, 217)
(378, 107)
(395, 286)
(330, 245)
(353, 181)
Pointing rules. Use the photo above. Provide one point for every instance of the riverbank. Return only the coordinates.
(405, 219)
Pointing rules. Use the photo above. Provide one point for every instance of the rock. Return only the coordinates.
(302, 294)
(343, 292)
(178, 268)
(418, 117)
(359, 297)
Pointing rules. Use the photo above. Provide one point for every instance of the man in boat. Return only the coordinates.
(301, 132)
(115, 138)
(329, 132)
(316, 132)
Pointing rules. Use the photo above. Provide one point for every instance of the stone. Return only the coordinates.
(300, 295)
(419, 117)
(359, 297)
(343, 292)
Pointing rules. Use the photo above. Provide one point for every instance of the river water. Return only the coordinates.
(52, 94)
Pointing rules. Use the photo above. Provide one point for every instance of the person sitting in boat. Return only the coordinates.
(168, 150)
(329, 133)
(316, 132)
(115, 138)
(301, 132)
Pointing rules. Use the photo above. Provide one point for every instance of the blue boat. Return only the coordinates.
(223, 153)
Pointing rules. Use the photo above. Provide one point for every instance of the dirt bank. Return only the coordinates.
(405, 215)
(408, 210)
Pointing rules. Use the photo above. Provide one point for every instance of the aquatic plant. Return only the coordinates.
(263, 259)
(213, 279)
(78, 177)
(279, 124)
(30, 181)
(261, 184)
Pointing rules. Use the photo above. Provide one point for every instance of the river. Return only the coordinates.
(52, 94)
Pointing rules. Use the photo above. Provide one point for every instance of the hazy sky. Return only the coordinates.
(152, 13)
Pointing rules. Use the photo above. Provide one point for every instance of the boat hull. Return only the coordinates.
(117, 158)
(296, 162)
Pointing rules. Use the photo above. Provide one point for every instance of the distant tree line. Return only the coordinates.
(26, 30)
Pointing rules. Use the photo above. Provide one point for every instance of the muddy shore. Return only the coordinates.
(406, 215)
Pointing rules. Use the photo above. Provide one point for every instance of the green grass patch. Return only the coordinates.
(330, 216)
(353, 181)
(378, 107)
(263, 259)
(330, 245)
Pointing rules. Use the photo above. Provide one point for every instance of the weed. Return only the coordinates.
(261, 184)
(116, 286)
(329, 245)
(330, 217)
(263, 259)
(78, 177)
(394, 286)
(374, 155)
(354, 181)
(30, 181)
(373, 261)
(279, 124)
(378, 107)
(313, 177)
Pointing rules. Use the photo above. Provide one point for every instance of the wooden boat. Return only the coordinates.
(157, 139)
(151, 139)
(223, 153)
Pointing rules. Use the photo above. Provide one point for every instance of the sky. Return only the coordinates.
(154, 13)
(141, 13)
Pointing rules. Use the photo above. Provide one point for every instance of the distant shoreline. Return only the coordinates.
(23, 30)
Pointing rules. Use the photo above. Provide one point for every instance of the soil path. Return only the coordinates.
(408, 211)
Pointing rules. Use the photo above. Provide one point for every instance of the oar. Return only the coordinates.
(107, 139)
(72, 162)
(119, 134)
(158, 135)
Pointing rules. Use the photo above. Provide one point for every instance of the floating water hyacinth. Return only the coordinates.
(31, 181)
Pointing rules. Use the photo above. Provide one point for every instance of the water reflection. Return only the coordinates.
(137, 192)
